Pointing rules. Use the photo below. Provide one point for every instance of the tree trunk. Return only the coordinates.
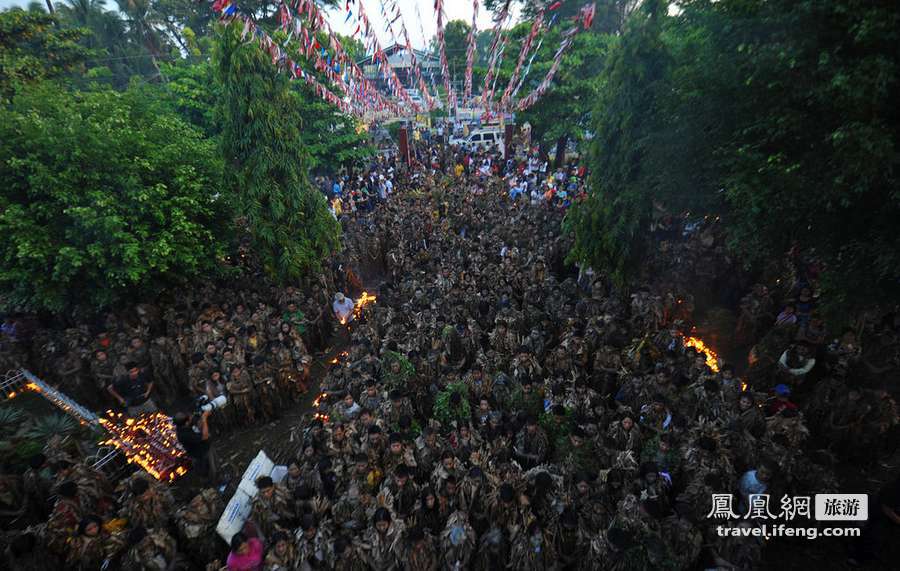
(560, 150)
(175, 34)
(50, 7)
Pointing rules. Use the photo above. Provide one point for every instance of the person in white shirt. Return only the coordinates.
(343, 307)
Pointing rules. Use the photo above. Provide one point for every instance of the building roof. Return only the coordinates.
(398, 56)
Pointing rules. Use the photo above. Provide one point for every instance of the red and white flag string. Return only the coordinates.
(526, 46)
(497, 44)
(584, 18)
(379, 57)
(445, 68)
(470, 51)
(270, 46)
(361, 88)
(512, 88)
(323, 62)
(419, 19)
(361, 95)
(488, 97)
(393, 16)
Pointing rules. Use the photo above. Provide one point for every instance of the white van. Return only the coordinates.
(482, 138)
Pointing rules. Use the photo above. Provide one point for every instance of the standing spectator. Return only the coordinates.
(133, 390)
(246, 553)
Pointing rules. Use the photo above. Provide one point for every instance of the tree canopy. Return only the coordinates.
(266, 162)
(32, 48)
(103, 195)
(114, 127)
(778, 116)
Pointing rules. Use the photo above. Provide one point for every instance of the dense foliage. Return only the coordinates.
(779, 116)
(33, 48)
(266, 162)
(102, 195)
(111, 178)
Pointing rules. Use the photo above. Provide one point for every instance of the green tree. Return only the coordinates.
(266, 162)
(118, 57)
(779, 116)
(103, 195)
(353, 47)
(610, 15)
(564, 111)
(33, 48)
(329, 136)
(609, 225)
(456, 41)
(193, 92)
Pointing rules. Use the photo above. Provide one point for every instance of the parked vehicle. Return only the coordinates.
(481, 138)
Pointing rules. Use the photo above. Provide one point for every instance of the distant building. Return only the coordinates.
(401, 63)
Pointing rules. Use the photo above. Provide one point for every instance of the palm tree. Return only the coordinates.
(139, 16)
(110, 36)
(92, 14)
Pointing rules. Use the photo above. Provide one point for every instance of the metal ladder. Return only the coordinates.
(17, 381)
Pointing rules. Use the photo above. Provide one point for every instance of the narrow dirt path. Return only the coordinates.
(235, 449)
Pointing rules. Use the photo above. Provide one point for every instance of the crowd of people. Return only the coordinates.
(496, 408)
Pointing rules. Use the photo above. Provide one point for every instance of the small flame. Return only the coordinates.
(744, 386)
(712, 359)
(319, 399)
(358, 305)
(338, 357)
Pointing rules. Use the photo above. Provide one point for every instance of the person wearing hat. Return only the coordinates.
(343, 308)
(782, 400)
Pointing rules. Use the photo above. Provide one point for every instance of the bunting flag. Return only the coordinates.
(584, 18)
(381, 59)
(509, 95)
(416, 67)
(495, 53)
(360, 88)
(414, 64)
(536, 51)
(357, 101)
(470, 51)
(360, 96)
(445, 67)
(488, 96)
(526, 46)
